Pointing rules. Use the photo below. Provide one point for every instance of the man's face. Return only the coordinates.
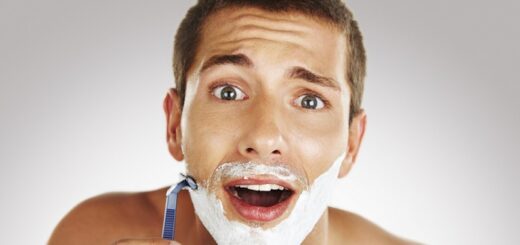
(268, 88)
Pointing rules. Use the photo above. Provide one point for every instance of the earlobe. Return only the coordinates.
(356, 133)
(171, 106)
(346, 165)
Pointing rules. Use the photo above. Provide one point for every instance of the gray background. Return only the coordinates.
(81, 94)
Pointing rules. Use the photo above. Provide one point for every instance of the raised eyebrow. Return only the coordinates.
(233, 59)
(306, 75)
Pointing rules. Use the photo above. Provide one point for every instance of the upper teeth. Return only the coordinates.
(266, 187)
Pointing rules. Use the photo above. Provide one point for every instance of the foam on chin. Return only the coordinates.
(293, 230)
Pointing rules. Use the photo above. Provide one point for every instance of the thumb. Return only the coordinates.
(145, 242)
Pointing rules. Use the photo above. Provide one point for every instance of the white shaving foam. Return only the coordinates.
(250, 169)
(308, 209)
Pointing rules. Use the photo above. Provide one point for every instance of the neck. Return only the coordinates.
(320, 233)
(197, 233)
(200, 234)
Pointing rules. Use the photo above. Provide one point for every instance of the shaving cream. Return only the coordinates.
(251, 169)
(308, 209)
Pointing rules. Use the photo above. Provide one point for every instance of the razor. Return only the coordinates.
(168, 231)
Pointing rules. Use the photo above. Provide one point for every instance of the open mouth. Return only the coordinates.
(266, 195)
(259, 201)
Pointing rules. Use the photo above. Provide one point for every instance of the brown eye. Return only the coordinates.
(310, 102)
(228, 92)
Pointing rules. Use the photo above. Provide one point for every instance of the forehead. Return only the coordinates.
(291, 37)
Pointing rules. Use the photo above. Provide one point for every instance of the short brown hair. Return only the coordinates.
(333, 11)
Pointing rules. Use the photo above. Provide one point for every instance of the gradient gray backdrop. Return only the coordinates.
(81, 92)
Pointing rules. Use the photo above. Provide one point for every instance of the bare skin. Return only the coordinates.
(267, 123)
(120, 218)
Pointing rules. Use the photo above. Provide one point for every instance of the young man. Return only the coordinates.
(267, 115)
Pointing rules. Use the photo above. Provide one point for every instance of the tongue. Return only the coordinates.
(259, 198)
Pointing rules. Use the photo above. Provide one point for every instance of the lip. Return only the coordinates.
(259, 213)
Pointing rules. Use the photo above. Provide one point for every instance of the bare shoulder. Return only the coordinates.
(348, 226)
(106, 218)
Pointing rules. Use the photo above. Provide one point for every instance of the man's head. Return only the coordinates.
(269, 83)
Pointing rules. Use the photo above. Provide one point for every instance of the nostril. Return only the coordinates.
(250, 150)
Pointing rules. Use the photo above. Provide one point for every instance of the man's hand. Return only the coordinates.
(145, 242)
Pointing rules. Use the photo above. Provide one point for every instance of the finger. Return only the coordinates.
(145, 242)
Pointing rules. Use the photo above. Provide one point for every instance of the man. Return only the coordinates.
(267, 115)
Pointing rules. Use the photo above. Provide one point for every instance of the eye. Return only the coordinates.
(228, 92)
(310, 101)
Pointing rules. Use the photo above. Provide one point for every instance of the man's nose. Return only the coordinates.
(263, 138)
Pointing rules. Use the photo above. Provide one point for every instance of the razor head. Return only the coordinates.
(190, 181)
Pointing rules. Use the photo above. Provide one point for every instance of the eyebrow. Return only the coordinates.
(232, 59)
(296, 72)
(306, 75)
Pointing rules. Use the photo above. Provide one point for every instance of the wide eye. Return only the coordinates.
(309, 101)
(228, 92)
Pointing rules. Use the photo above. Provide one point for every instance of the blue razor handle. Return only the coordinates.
(168, 231)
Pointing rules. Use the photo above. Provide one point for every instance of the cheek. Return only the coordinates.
(210, 135)
(319, 140)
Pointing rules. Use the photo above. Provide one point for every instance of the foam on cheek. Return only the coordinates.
(293, 230)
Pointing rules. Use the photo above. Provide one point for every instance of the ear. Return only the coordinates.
(356, 133)
(172, 110)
